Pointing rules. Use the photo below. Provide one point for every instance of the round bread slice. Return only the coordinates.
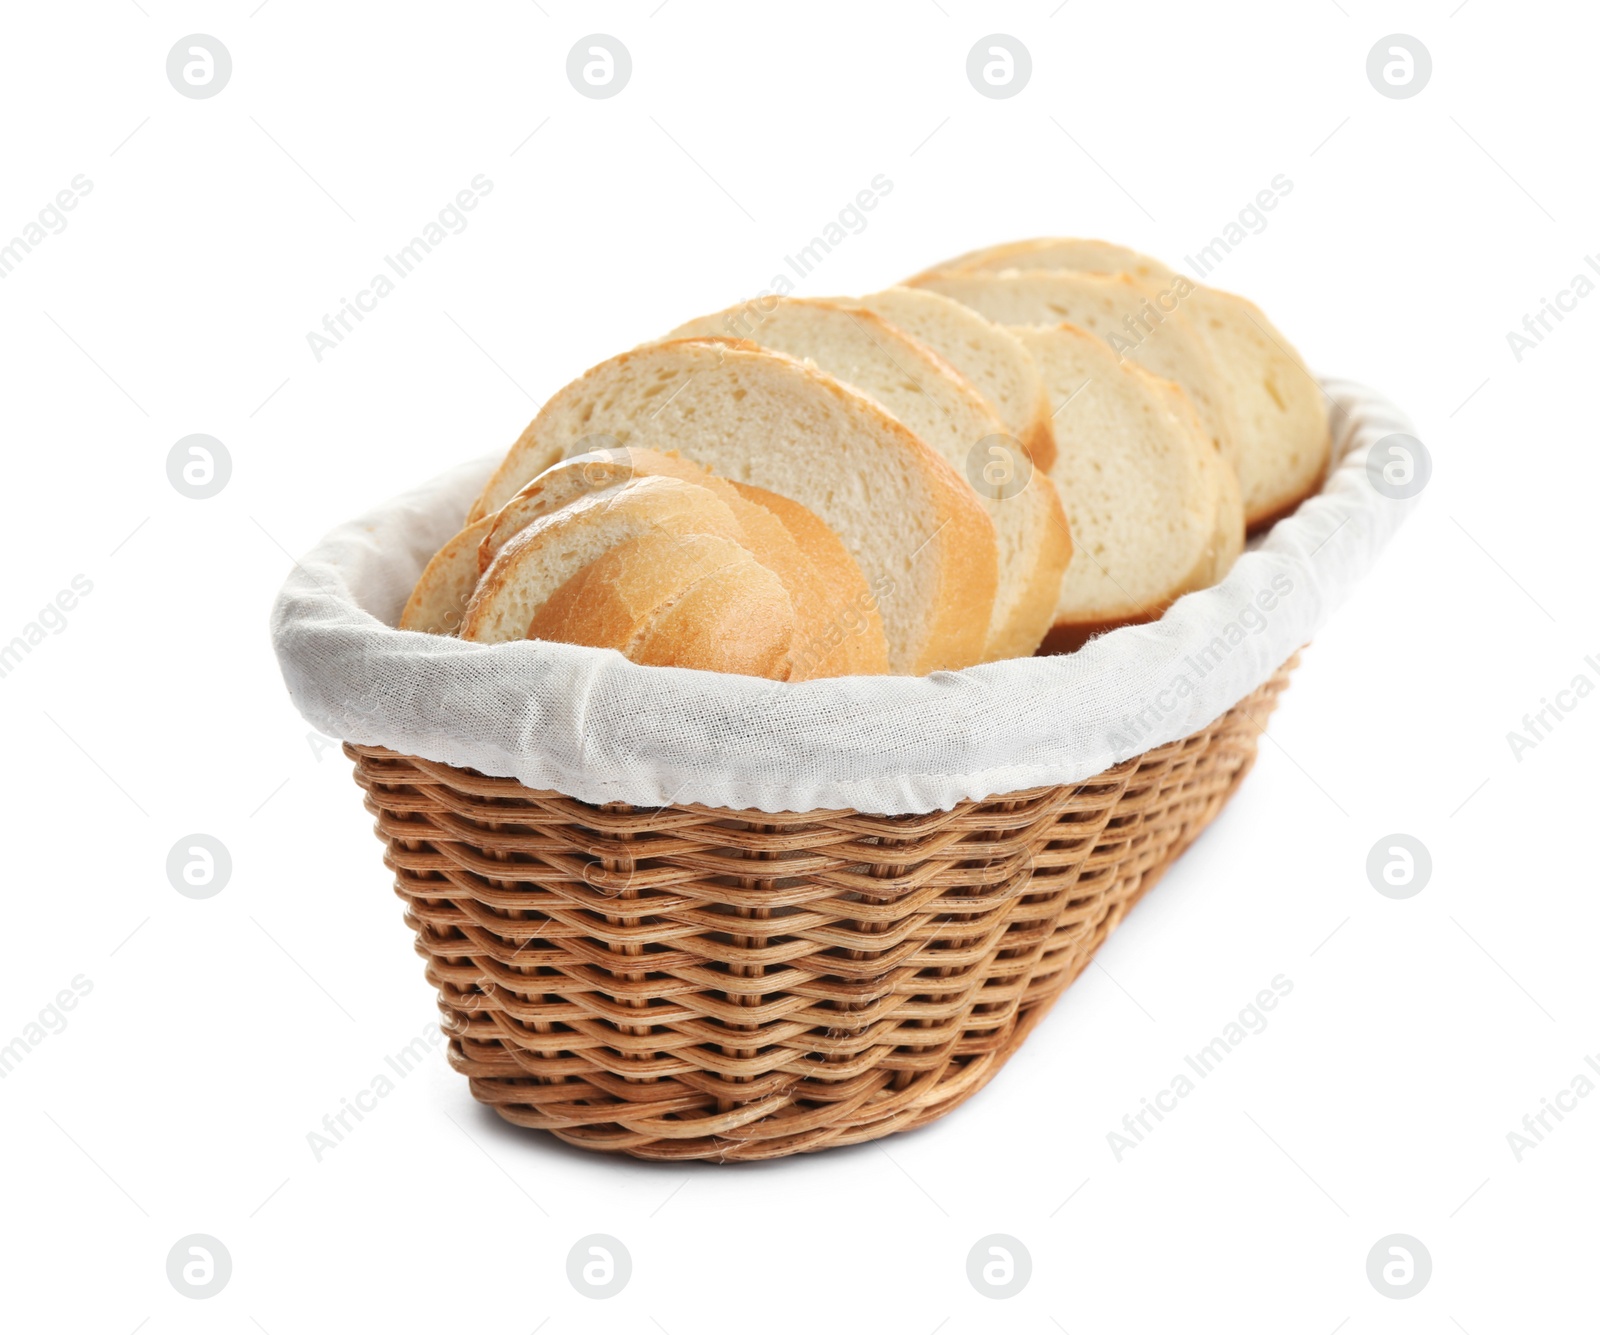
(859, 348)
(445, 586)
(807, 572)
(1132, 475)
(1279, 411)
(537, 561)
(920, 537)
(986, 354)
(1141, 323)
(670, 600)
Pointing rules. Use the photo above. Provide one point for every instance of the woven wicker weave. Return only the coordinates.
(699, 983)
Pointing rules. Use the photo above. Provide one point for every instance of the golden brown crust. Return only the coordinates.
(517, 584)
(964, 603)
(737, 620)
(768, 539)
(566, 480)
(670, 600)
(1032, 614)
(605, 603)
(848, 638)
(1040, 439)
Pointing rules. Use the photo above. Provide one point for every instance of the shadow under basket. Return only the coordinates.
(703, 983)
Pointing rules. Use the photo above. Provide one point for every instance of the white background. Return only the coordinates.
(219, 1032)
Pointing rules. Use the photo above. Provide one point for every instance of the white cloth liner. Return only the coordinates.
(588, 723)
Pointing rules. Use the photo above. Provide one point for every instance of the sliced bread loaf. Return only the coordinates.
(1138, 322)
(820, 577)
(988, 355)
(1132, 474)
(860, 349)
(1278, 410)
(919, 535)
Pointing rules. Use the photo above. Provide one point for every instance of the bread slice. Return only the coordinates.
(1132, 473)
(537, 561)
(919, 535)
(861, 349)
(667, 600)
(445, 587)
(1227, 534)
(824, 594)
(986, 354)
(1279, 411)
(1138, 322)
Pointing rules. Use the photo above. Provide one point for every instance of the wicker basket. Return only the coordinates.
(701, 983)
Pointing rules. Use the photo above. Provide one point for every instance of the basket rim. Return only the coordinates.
(589, 723)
